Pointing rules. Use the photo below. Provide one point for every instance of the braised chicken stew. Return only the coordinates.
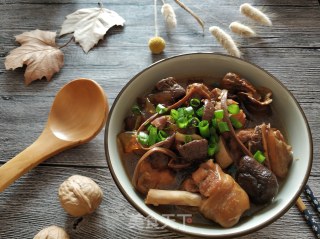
(211, 149)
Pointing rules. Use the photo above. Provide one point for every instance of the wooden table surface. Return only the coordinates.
(290, 50)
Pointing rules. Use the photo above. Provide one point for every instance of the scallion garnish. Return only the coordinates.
(212, 149)
(143, 138)
(161, 109)
(188, 111)
(204, 128)
(153, 133)
(236, 123)
(199, 111)
(214, 138)
(194, 102)
(223, 127)
(214, 123)
(174, 114)
(233, 109)
(182, 122)
(162, 135)
(194, 121)
(181, 112)
(136, 110)
(218, 114)
(259, 156)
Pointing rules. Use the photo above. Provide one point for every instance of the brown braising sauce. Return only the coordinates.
(185, 214)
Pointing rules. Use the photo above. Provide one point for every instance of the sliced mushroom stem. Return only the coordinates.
(173, 197)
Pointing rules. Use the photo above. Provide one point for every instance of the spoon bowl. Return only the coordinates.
(77, 115)
(78, 112)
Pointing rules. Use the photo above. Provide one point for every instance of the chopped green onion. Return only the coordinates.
(181, 112)
(174, 114)
(214, 123)
(199, 112)
(162, 135)
(259, 156)
(188, 138)
(204, 128)
(153, 133)
(149, 127)
(143, 138)
(182, 122)
(189, 111)
(194, 102)
(236, 123)
(212, 149)
(218, 114)
(223, 127)
(233, 109)
(161, 109)
(194, 121)
(214, 138)
(136, 110)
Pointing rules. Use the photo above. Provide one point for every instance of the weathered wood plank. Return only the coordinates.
(289, 50)
(32, 204)
(286, 23)
(23, 116)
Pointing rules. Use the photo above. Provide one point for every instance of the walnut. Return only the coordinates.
(79, 195)
(52, 232)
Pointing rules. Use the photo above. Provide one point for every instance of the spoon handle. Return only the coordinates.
(44, 147)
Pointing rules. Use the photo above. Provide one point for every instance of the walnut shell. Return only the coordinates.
(79, 195)
(52, 232)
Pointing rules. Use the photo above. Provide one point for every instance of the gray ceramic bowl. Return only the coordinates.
(215, 65)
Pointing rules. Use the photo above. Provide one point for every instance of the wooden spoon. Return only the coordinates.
(77, 115)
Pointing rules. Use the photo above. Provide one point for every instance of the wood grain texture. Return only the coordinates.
(290, 50)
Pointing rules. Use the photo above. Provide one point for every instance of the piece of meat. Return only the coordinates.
(132, 122)
(258, 181)
(255, 100)
(169, 84)
(245, 135)
(156, 174)
(234, 84)
(208, 110)
(162, 97)
(194, 150)
(150, 177)
(279, 152)
(189, 185)
(252, 138)
(196, 90)
(256, 142)
(159, 161)
(226, 200)
(162, 121)
(216, 92)
(258, 102)
(222, 200)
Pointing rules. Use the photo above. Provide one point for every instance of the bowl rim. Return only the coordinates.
(177, 230)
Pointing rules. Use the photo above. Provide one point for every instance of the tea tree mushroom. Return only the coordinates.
(52, 232)
(80, 195)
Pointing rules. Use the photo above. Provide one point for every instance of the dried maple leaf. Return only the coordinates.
(89, 25)
(39, 52)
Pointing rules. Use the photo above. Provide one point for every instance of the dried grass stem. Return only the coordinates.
(198, 19)
(225, 40)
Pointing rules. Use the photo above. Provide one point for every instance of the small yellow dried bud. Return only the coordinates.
(157, 45)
